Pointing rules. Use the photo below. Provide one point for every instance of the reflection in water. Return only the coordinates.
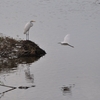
(9, 65)
(1, 95)
(67, 89)
(10, 88)
(29, 77)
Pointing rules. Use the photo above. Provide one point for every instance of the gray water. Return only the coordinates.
(77, 68)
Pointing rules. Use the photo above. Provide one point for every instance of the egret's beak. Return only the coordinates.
(59, 42)
(33, 21)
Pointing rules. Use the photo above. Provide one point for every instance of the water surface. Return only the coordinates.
(77, 67)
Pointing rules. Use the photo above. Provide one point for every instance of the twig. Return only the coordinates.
(8, 86)
(8, 90)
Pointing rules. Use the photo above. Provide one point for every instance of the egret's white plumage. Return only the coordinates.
(66, 41)
(66, 38)
(27, 28)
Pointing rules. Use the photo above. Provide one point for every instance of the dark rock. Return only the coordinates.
(11, 48)
(29, 49)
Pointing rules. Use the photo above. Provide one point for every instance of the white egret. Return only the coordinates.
(27, 28)
(66, 41)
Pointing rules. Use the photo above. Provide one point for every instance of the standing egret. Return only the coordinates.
(66, 41)
(27, 27)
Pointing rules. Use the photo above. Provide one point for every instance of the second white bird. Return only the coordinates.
(66, 41)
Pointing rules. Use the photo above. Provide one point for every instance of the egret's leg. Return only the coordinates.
(28, 35)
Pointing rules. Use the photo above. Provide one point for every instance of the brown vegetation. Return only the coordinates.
(12, 48)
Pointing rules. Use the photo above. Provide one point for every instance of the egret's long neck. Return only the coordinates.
(31, 23)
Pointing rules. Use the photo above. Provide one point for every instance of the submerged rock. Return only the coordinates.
(12, 48)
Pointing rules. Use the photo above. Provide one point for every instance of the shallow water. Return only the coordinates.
(77, 68)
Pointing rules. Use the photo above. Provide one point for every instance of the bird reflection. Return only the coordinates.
(66, 90)
(29, 77)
